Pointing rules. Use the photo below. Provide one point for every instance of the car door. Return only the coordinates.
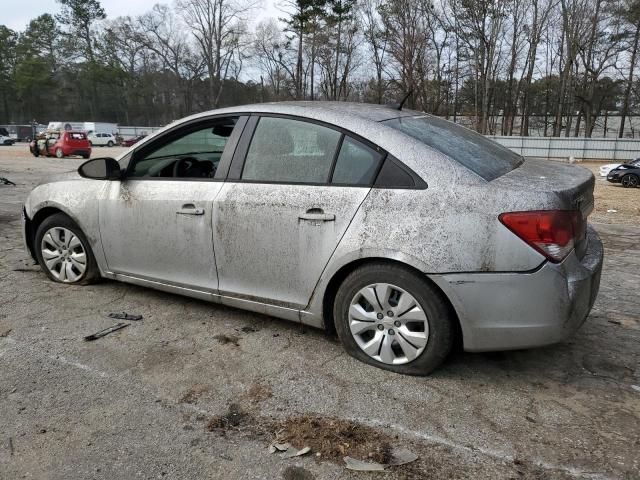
(156, 223)
(279, 217)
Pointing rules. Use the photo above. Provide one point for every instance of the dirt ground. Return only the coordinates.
(172, 397)
(613, 196)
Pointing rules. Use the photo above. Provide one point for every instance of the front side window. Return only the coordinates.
(357, 164)
(286, 150)
(195, 154)
(479, 154)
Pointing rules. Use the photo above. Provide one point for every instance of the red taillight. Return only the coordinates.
(551, 232)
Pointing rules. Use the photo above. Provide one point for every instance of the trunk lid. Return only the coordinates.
(77, 139)
(567, 187)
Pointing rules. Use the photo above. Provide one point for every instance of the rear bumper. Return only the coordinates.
(506, 311)
(76, 151)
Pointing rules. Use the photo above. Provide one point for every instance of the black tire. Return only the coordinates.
(440, 319)
(630, 180)
(85, 156)
(109, 143)
(91, 273)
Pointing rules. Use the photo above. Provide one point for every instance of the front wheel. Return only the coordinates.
(629, 181)
(59, 153)
(63, 251)
(390, 317)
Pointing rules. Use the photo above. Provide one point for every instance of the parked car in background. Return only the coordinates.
(403, 231)
(628, 174)
(102, 139)
(132, 141)
(5, 139)
(61, 144)
(605, 169)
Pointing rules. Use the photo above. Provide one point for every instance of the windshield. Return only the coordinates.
(479, 154)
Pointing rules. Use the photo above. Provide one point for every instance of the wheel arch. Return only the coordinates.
(338, 277)
(40, 215)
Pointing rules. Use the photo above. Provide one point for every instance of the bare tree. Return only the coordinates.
(219, 28)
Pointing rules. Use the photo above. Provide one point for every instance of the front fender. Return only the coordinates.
(78, 199)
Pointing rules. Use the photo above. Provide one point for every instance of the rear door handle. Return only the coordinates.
(317, 215)
(190, 209)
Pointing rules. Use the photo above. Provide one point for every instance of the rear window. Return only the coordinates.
(479, 154)
(76, 136)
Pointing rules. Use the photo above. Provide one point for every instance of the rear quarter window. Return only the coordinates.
(485, 157)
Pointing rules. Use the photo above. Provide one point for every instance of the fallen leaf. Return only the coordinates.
(401, 456)
(359, 465)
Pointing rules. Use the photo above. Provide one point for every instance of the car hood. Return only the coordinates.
(61, 177)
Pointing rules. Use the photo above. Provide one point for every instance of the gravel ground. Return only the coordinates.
(197, 390)
(613, 196)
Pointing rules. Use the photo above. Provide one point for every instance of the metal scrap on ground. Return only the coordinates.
(106, 331)
(6, 181)
(125, 316)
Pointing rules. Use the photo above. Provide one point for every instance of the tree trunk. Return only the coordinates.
(627, 92)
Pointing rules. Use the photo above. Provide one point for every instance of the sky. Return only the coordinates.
(16, 14)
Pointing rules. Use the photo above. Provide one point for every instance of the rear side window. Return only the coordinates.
(357, 164)
(479, 154)
(286, 150)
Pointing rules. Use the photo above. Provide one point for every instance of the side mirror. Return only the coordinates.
(100, 169)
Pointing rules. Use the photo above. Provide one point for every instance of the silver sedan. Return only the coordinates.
(402, 232)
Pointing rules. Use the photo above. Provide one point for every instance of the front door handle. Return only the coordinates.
(190, 209)
(317, 215)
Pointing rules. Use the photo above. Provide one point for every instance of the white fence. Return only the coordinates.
(578, 148)
(132, 132)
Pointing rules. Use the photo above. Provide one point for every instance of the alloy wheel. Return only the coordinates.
(388, 324)
(63, 254)
(630, 181)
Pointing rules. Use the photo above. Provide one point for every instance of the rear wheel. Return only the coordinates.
(109, 143)
(630, 180)
(59, 153)
(64, 252)
(390, 317)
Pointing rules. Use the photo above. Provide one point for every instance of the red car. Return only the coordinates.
(131, 141)
(61, 144)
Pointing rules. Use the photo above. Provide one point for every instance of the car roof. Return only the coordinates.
(362, 119)
(316, 109)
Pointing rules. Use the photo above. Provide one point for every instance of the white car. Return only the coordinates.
(605, 169)
(102, 139)
(4, 140)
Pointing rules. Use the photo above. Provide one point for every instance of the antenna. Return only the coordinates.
(398, 106)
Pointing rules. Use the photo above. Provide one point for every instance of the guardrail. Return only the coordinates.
(559, 148)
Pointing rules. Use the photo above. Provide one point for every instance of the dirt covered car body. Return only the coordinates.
(401, 229)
